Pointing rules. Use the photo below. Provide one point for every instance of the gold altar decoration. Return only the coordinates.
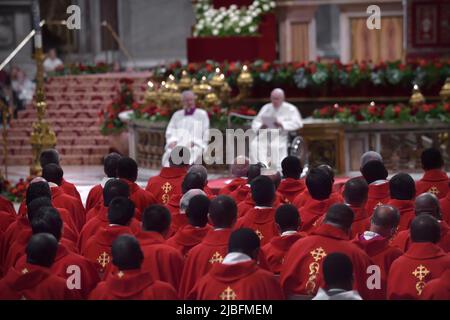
(42, 136)
(215, 91)
(445, 91)
(417, 97)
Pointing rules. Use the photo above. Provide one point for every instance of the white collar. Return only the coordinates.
(262, 207)
(236, 257)
(288, 233)
(370, 235)
(52, 185)
(378, 182)
(105, 180)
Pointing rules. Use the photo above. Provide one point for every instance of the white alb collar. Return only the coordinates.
(236, 257)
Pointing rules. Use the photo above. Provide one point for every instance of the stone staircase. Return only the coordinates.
(73, 104)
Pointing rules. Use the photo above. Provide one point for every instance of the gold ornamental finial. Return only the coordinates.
(445, 91)
(417, 97)
(217, 80)
(185, 81)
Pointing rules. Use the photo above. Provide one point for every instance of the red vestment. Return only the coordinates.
(202, 257)
(98, 248)
(62, 267)
(164, 262)
(445, 208)
(233, 185)
(302, 270)
(133, 285)
(141, 198)
(248, 204)
(179, 220)
(301, 199)
(402, 239)
(378, 194)
(94, 197)
(187, 237)
(437, 289)
(289, 189)
(6, 205)
(361, 221)
(71, 204)
(6, 219)
(435, 181)
(381, 253)
(277, 248)
(239, 281)
(421, 263)
(313, 212)
(262, 221)
(34, 282)
(240, 193)
(407, 214)
(70, 189)
(166, 184)
(100, 220)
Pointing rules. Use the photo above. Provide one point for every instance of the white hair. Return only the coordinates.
(278, 91)
(187, 93)
(369, 156)
(184, 202)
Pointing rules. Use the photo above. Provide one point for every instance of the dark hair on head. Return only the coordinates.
(34, 206)
(192, 180)
(291, 167)
(126, 253)
(432, 159)
(244, 240)
(223, 211)
(47, 220)
(115, 188)
(340, 215)
(263, 191)
(37, 190)
(197, 210)
(356, 191)
(41, 249)
(156, 218)
(48, 156)
(402, 187)
(319, 184)
(127, 169)
(425, 228)
(327, 169)
(287, 217)
(374, 170)
(53, 173)
(110, 163)
(337, 270)
(121, 211)
(254, 170)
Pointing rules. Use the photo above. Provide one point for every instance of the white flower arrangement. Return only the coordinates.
(231, 21)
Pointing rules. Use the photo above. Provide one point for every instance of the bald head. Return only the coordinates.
(425, 228)
(385, 220)
(239, 168)
(277, 97)
(428, 203)
(370, 156)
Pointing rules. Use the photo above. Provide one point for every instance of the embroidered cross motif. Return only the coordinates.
(318, 254)
(120, 274)
(24, 271)
(420, 273)
(434, 190)
(228, 294)
(216, 257)
(165, 198)
(166, 187)
(259, 234)
(103, 259)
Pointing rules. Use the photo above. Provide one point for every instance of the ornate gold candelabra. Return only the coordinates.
(445, 91)
(417, 97)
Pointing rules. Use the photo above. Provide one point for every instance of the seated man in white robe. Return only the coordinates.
(278, 118)
(188, 128)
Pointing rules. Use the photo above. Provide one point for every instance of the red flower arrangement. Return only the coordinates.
(15, 192)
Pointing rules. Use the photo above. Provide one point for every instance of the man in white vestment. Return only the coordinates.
(278, 117)
(52, 62)
(188, 127)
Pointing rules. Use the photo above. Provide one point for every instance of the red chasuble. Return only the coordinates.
(6, 205)
(6, 219)
(98, 248)
(407, 214)
(402, 239)
(381, 253)
(233, 185)
(164, 262)
(313, 212)
(71, 204)
(248, 204)
(34, 282)
(141, 198)
(361, 221)
(98, 221)
(290, 188)
(302, 270)
(422, 263)
(70, 189)
(240, 193)
(133, 285)
(166, 184)
(63, 267)
(276, 250)
(187, 237)
(445, 208)
(437, 289)
(301, 199)
(94, 197)
(240, 281)
(378, 194)
(260, 220)
(202, 257)
(435, 181)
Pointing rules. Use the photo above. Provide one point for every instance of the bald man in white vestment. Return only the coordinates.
(188, 127)
(278, 117)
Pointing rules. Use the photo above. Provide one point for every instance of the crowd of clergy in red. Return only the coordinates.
(265, 235)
